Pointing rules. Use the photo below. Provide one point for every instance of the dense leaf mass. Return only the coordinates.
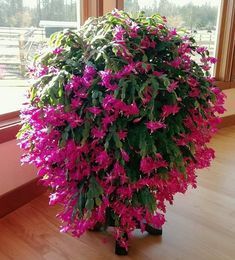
(118, 119)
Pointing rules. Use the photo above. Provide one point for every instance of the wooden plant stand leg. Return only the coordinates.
(96, 228)
(119, 250)
(153, 231)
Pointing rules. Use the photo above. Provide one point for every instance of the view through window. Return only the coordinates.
(198, 17)
(25, 25)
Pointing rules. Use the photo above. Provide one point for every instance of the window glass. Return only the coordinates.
(197, 17)
(25, 25)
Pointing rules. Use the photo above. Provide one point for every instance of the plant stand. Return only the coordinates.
(119, 250)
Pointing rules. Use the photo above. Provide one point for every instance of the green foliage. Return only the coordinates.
(93, 194)
(146, 198)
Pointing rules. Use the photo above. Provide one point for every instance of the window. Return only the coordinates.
(198, 17)
(25, 25)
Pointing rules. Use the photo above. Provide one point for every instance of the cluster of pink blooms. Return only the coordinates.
(70, 143)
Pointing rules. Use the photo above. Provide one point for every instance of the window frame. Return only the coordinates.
(9, 126)
(10, 122)
(225, 50)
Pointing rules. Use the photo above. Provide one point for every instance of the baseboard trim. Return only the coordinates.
(16, 198)
(227, 121)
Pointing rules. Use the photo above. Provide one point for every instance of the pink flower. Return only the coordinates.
(169, 109)
(108, 120)
(75, 103)
(148, 91)
(201, 49)
(147, 43)
(115, 13)
(157, 220)
(119, 171)
(192, 82)
(119, 34)
(108, 102)
(54, 198)
(184, 48)
(98, 133)
(57, 51)
(176, 63)
(131, 110)
(127, 70)
(112, 87)
(206, 67)
(103, 159)
(137, 120)
(122, 134)
(194, 92)
(158, 73)
(212, 60)
(174, 85)
(73, 119)
(106, 76)
(125, 155)
(211, 79)
(89, 71)
(95, 110)
(147, 165)
(42, 71)
(155, 125)
(134, 30)
(74, 84)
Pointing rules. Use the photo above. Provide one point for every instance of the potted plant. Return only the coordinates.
(118, 121)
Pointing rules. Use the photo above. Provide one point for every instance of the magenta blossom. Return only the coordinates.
(57, 51)
(95, 110)
(125, 155)
(131, 110)
(98, 133)
(147, 165)
(174, 85)
(169, 110)
(155, 125)
(103, 159)
(122, 134)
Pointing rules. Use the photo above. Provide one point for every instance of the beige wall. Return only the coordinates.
(12, 174)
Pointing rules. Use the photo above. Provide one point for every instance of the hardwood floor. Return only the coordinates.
(200, 225)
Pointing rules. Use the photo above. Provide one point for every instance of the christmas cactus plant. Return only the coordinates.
(118, 120)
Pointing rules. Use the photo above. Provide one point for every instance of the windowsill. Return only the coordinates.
(8, 129)
(12, 95)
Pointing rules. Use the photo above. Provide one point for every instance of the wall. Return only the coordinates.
(109, 5)
(12, 174)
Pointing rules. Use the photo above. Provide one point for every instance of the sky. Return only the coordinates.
(181, 2)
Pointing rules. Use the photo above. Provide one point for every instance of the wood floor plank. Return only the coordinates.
(200, 225)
